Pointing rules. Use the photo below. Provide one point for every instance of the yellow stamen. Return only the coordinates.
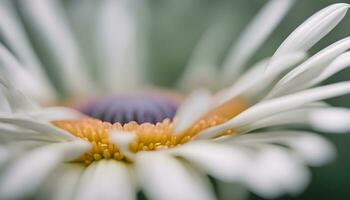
(148, 136)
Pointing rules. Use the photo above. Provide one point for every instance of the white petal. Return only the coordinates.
(308, 73)
(62, 183)
(21, 179)
(313, 149)
(298, 116)
(106, 179)
(274, 106)
(331, 120)
(275, 172)
(313, 29)
(221, 161)
(123, 140)
(55, 113)
(163, 177)
(15, 100)
(256, 82)
(116, 41)
(14, 35)
(50, 24)
(196, 105)
(253, 36)
(47, 131)
(24, 79)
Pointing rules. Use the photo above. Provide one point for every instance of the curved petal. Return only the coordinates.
(221, 161)
(274, 172)
(43, 129)
(277, 105)
(24, 78)
(106, 179)
(62, 183)
(256, 82)
(49, 21)
(253, 36)
(19, 181)
(326, 62)
(313, 149)
(13, 33)
(154, 169)
(334, 120)
(313, 29)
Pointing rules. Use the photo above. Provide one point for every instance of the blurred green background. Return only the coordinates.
(172, 44)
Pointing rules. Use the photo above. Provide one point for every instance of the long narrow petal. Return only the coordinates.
(45, 130)
(13, 99)
(116, 44)
(313, 149)
(255, 83)
(51, 25)
(298, 116)
(274, 106)
(23, 78)
(13, 34)
(14, 181)
(313, 29)
(155, 169)
(253, 36)
(106, 179)
(308, 73)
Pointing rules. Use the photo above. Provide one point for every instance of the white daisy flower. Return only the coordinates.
(113, 147)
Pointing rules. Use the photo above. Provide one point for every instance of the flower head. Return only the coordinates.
(118, 141)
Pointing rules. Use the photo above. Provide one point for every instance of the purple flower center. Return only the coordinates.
(138, 108)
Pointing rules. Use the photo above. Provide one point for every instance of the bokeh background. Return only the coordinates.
(172, 43)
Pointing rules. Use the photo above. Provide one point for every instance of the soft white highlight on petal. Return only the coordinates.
(315, 69)
(15, 180)
(47, 17)
(62, 183)
(122, 140)
(13, 99)
(22, 78)
(116, 42)
(275, 172)
(196, 105)
(313, 149)
(256, 81)
(14, 35)
(55, 113)
(335, 120)
(221, 161)
(106, 179)
(41, 130)
(298, 116)
(277, 105)
(164, 177)
(253, 37)
(313, 29)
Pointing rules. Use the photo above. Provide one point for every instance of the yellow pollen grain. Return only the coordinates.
(148, 136)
